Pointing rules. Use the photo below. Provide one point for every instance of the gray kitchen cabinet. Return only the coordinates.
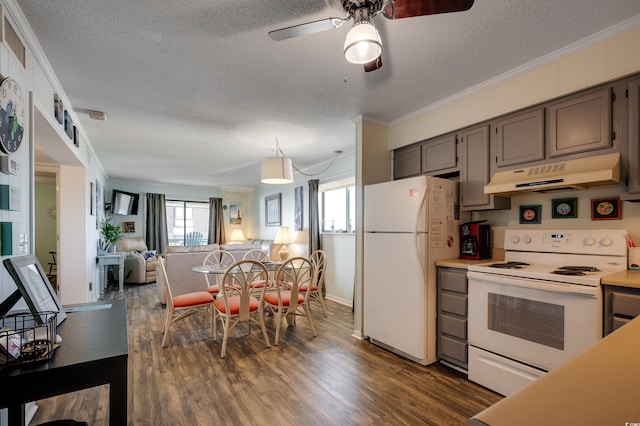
(474, 171)
(452, 316)
(407, 161)
(440, 155)
(633, 148)
(519, 138)
(580, 123)
(621, 305)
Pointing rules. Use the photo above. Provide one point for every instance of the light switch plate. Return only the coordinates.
(9, 165)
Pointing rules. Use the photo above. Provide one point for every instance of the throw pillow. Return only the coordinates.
(149, 254)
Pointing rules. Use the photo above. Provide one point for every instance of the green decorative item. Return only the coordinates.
(111, 232)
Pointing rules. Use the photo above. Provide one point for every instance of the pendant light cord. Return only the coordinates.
(279, 150)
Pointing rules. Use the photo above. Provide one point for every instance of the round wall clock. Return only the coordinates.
(11, 116)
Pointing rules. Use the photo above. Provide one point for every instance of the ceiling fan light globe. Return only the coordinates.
(277, 170)
(363, 43)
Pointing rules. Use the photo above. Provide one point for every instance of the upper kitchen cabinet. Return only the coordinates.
(474, 171)
(580, 123)
(407, 161)
(440, 155)
(437, 156)
(519, 138)
(633, 150)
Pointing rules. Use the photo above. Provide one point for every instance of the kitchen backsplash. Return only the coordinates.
(503, 219)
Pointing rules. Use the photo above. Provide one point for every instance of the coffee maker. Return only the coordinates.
(475, 240)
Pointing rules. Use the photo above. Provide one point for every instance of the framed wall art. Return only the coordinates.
(76, 137)
(272, 205)
(129, 227)
(68, 124)
(606, 209)
(235, 214)
(92, 198)
(530, 214)
(298, 208)
(58, 108)
(564, 208)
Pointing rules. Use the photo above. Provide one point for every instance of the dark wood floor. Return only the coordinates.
(328, 380)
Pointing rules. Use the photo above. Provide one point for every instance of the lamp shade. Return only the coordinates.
(237, 236)
(283, 236)
(277, 170)
(363, 43)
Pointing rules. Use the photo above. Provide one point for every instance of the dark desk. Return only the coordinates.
(93, 352)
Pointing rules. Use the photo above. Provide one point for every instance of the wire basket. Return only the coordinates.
(25, 338)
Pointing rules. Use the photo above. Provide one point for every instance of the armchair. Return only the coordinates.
(140, 262)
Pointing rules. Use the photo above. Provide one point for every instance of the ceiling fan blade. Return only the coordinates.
(373, 65)
(308, 28)
(410, 8)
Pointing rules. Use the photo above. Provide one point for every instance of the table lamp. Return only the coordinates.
(283, 237)
(237, 237)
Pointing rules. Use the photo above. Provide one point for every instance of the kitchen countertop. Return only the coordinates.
(462, 263)
(597, 387)
(627, 278)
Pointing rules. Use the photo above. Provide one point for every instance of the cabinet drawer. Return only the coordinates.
(619, 322)
(626, 304)
(454, 326)
(453, 280)
(453, 348)
(453, 303)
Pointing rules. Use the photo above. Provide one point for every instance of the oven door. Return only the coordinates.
(539, 323)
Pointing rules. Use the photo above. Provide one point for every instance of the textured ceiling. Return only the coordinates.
(196, 92)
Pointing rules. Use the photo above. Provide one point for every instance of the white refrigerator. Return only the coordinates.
(409, 224)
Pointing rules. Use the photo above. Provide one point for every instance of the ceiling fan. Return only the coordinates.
(363, 44)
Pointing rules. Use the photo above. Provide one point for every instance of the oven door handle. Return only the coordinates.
(566, 288)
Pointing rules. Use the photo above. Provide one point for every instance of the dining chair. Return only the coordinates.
(256, 254)
(183, 305)
(319, 261)
(288, 300)
(240, 302)
(217, 259)
(260, 256)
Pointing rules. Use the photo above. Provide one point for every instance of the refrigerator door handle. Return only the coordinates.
(417, 231)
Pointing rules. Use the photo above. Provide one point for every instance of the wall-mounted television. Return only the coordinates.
(123, 202)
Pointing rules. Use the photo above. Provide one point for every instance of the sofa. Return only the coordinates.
(139, 263)
(181, 259)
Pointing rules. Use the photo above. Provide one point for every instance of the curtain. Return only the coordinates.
(157, 236)
(315, 243)
(216, 222)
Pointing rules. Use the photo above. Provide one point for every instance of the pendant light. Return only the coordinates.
(277, 170)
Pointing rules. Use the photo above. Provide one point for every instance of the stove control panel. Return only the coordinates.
(579, 241)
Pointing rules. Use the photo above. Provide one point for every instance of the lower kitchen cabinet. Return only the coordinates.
(452, 316)
(621, 305)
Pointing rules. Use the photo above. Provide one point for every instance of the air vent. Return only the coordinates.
(550, 168)
(14, 43)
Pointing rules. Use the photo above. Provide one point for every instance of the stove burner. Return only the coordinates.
(567, 272)
(509, 265)
(580, 268)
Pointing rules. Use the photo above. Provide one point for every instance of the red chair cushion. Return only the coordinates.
(234, 305)
(192, 299)
(305, 286)
(257, 283)
(213, 289)
(272, 298)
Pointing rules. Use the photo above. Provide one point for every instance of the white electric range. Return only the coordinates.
(541, 306)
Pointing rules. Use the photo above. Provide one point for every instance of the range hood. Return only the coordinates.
(581, 173)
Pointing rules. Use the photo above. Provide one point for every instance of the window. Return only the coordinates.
(187, 222)
(338, 209)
